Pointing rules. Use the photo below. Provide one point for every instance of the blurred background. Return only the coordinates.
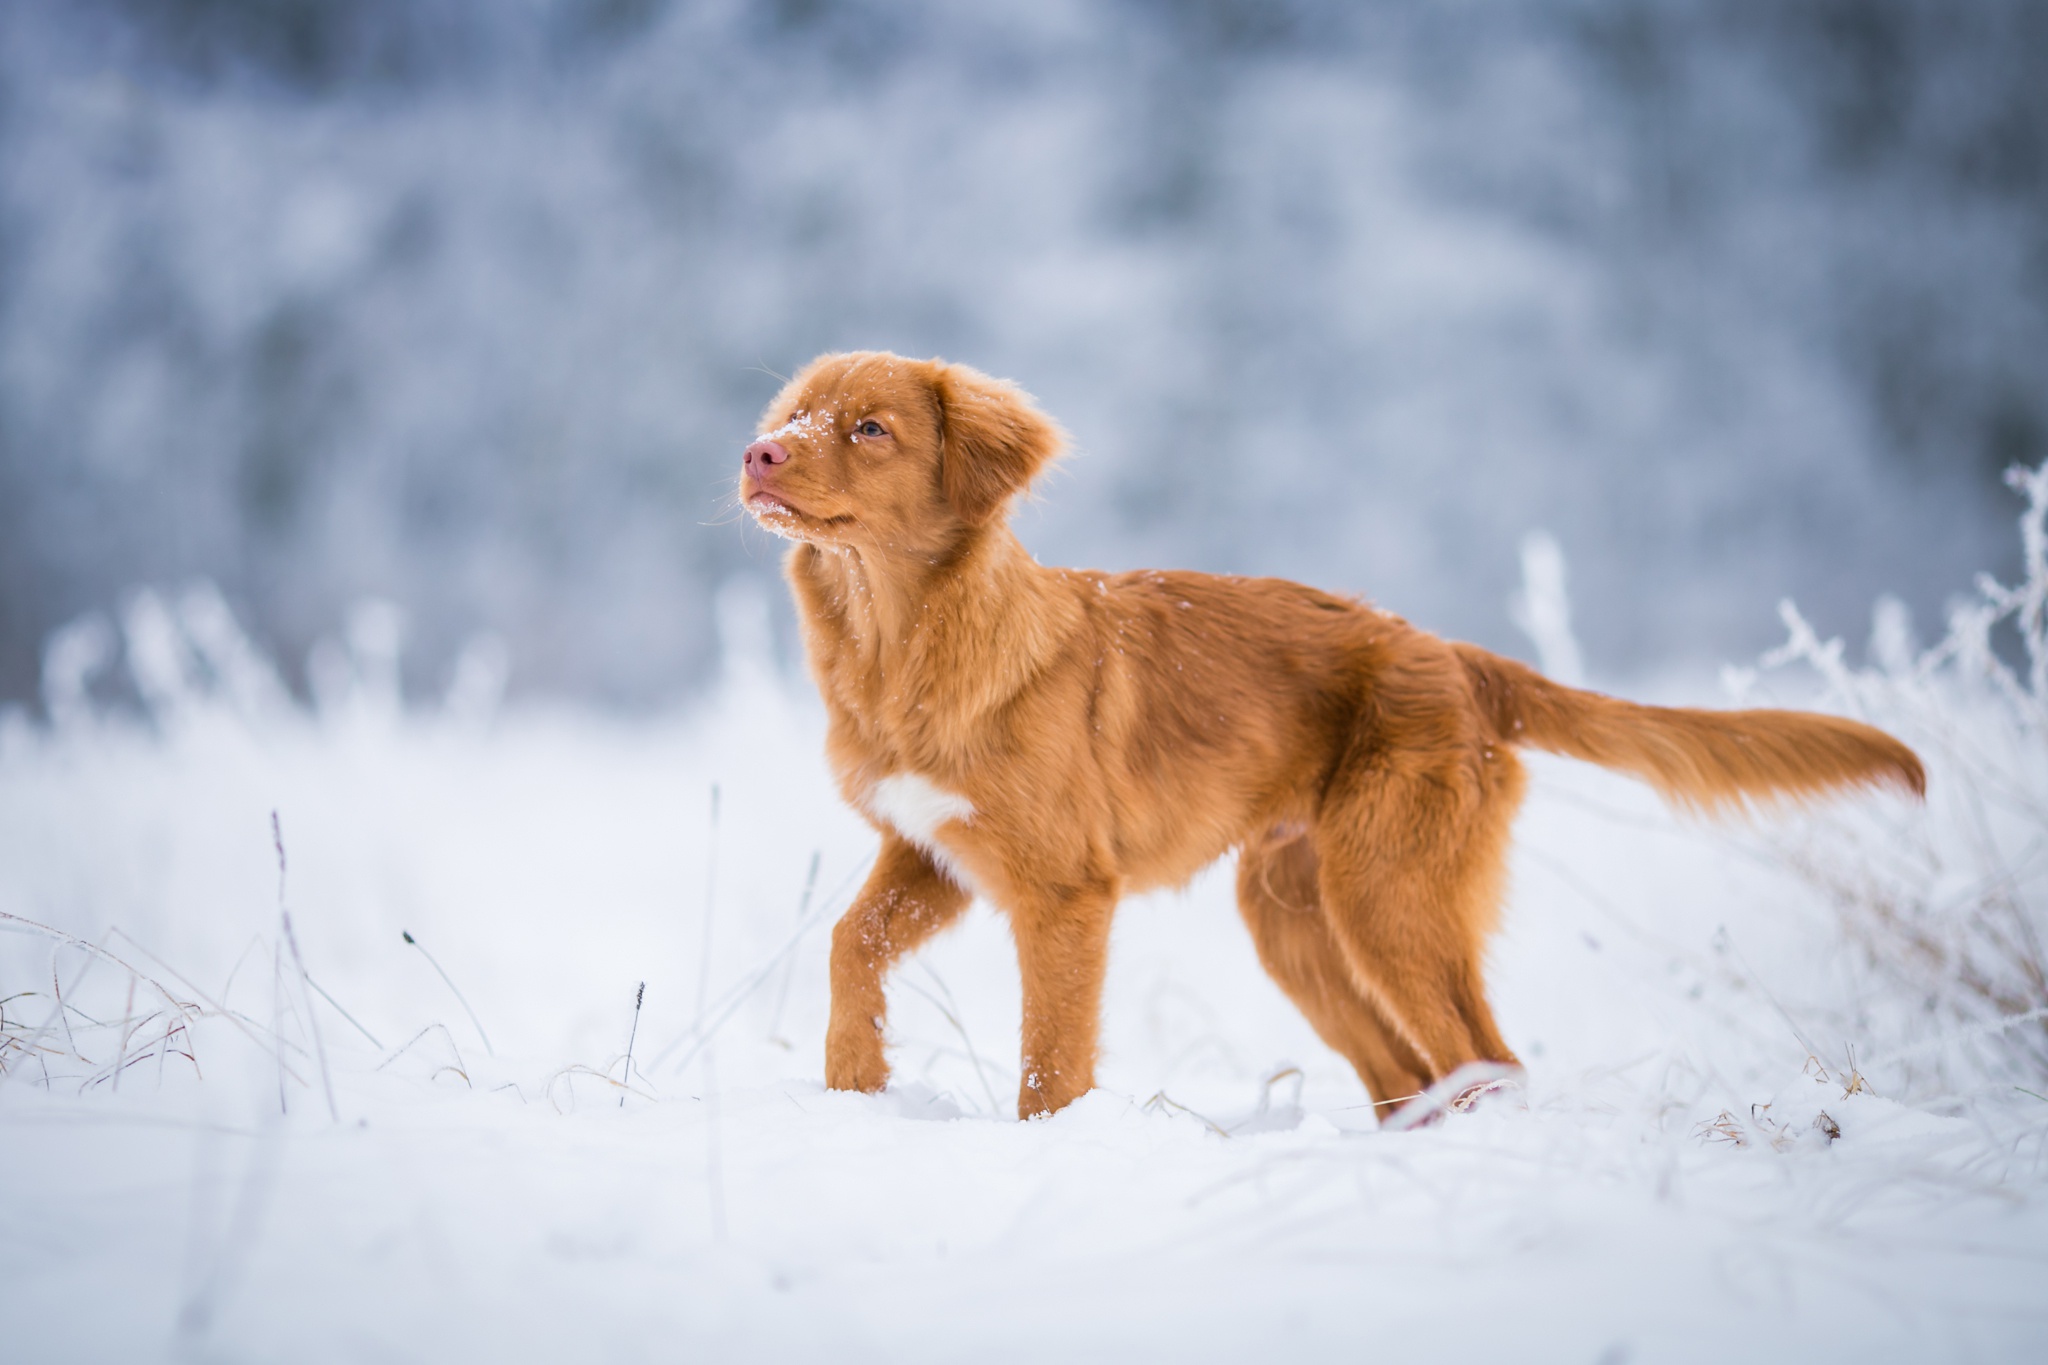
(468, 305)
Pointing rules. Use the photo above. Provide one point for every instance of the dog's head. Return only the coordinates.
(871, 450)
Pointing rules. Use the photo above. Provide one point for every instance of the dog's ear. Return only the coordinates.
(995, 441)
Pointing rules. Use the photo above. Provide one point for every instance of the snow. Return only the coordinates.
(1665, 1190)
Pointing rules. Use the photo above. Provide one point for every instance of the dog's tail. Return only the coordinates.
(1700, 760)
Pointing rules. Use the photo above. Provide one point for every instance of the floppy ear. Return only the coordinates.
(995, 441)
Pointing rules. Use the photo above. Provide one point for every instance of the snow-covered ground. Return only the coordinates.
(175, 1186)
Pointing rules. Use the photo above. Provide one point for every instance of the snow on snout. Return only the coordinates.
(804, 424)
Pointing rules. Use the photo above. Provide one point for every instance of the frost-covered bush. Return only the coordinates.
(1946, 909)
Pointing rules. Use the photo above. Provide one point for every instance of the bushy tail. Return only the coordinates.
(1701, 760)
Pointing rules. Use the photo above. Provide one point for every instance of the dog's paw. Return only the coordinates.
(1041, 1094)
(869, 1078)
(1467, 1088)
(854, 1060)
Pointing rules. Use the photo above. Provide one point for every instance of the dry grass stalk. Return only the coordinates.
(803, 906)
(1161, 1101)
(713, 1017)
(459, 1068)
(626, 1074)
(460, 998)
(305, 982)
(162, 1029)
(1724, 1127)
(566, 1077)
(949, 1010)
(1948, 910)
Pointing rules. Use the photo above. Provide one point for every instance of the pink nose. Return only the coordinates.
(762, 454)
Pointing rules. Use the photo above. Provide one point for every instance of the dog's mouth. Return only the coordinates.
(765, 503)
(762, 503)
(775, 512)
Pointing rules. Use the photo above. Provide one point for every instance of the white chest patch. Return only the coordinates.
(917, 807)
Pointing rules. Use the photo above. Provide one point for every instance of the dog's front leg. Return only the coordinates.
(1062, 952)
(904, 902)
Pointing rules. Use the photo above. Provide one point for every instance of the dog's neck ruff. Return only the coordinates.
(989, 600)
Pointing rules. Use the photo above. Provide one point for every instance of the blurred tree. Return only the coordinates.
(466, 305)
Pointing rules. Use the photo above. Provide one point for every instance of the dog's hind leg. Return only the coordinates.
(1411, 870)
(904, 902)
(1280, 902)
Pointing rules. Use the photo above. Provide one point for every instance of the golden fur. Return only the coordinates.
(1054, 738)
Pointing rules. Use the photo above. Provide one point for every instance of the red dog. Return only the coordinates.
(1052, 739)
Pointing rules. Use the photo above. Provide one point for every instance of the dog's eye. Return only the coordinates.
(872, 428)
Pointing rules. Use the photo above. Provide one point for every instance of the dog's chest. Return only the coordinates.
(918, 808)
